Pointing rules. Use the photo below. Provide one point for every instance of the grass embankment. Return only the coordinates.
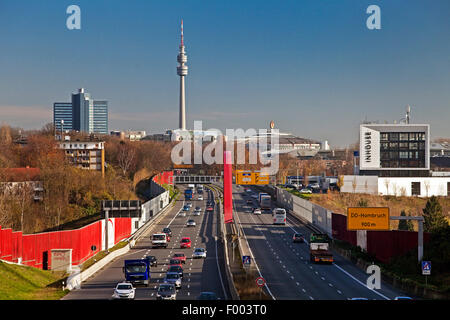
(28, 283)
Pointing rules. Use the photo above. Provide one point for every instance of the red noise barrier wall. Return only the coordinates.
(35, 249)
(165, 177)
(384, 245)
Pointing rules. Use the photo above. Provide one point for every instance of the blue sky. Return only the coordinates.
(311, 66)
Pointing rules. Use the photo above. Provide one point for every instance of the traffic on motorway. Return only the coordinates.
(175, 260)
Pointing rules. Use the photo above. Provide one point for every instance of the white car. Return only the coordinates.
(124, 290)
(196, 213)
(190, 223)
(199, 253)
(305, 191)
(200, 198)
(257, 211)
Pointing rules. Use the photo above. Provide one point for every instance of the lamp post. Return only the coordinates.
(62, 129)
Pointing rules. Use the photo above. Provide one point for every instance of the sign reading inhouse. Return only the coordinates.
(368, 219)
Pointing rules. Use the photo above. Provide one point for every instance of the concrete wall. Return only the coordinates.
(395, 186)
(306, 210)
(360, 184)
(429, 186)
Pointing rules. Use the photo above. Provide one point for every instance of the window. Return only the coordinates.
(404, 136)
(415, 188)
(448, 189)
(393, 136)
(384, 136)
(413, 136)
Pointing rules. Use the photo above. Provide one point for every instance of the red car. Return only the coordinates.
(180, 256)
(210, 208)
(175, 262)
(185, 243)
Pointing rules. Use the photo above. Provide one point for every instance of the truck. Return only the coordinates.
(318, 248)
(137, 271)
(192, 187)
(188, 194)
(159, 240)
(265, 202)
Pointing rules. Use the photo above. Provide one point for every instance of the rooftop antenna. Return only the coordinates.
(408, 112)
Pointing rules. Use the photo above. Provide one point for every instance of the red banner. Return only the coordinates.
(227, 187)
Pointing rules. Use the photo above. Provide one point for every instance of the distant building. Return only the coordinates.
(394, 159)
(81, 114)
(440, 150)
(15, 180)
(86, 155)
(130, 135)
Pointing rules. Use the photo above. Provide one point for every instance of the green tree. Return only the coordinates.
(432, 214)
(406, 225)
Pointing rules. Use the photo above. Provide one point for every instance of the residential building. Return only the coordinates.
(88, 155)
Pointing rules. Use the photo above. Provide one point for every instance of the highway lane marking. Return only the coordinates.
(322, 278)
(365, 286)
(330, 285)
(297, 283)
(339, 291)
(311, 298)
(304, 291)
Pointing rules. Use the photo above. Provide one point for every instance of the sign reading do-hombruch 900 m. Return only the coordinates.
(368, 219)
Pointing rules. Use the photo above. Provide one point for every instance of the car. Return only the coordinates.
(254, 196)
(173, 278)
(185, 242)
(175, 262)
(186, 207)
(176, 269)
(189, 205)
(182, 214)
(205, 295)
(200, 198)
(256, 211)
(180, 256)
(298, 237)
(166, 291)
(190, 223)
(199, 253)
(403, 298)
(152, 261)
(305, 190)
(210, 208)
(167, 231)
(198, 208)
(248, 190)
(124, 290)
(249, 201)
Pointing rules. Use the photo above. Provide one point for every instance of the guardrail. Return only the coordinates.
(229, 275)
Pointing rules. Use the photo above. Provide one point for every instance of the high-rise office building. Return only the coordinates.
(62, 111)
(82, 114)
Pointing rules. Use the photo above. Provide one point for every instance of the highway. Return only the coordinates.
(286, 267)
(199, 274)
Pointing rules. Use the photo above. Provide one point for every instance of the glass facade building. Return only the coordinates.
(396, 150)
(86, 114)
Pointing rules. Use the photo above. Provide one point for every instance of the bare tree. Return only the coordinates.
(126, 157)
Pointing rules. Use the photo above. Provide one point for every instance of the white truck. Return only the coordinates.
(159, 240)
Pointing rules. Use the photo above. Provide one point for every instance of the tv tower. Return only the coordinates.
(182, 71)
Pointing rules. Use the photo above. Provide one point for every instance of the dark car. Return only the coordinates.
(167, 231)
(298, 237)
(152, 260)
(176, 269)
(207, 296)
(249, 201)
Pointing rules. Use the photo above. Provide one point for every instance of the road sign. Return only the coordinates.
(375, 219)
(248, 177)
(260, 282)
(426, 268)
(246, 260)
